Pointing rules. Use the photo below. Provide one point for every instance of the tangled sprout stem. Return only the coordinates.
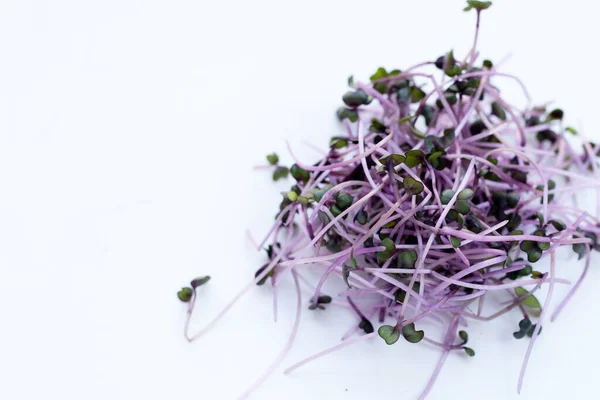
(438, 193)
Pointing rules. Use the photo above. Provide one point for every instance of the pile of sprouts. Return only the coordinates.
(437, 193)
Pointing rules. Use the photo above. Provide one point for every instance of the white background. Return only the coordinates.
(128, 132)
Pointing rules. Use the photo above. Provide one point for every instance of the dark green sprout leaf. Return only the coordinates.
(352, 259)
(380, 87)
(463, 335)
(535, 274)
(366, 326)
(534, 255)
(343, 201)
(270, 250)
(412, 186)
(447, 138)
(417, 132)
(462, 207)
(264, 279)
(304, 200)
(318, 194)
(472, 222)
(470, 352)
(404, 94)
(355, 98)
(389, 333)
(428, 113)
(377, 126)
(465, 194)
(546, 135)
(519, 334)
(407, 259)
(273, 158)
(390, 250)
(412, 335)
(296, 189)
(389, 225)
(351, 81)
(324, 299)
(512, 198)
(455, 242)
(556, 114)
(529, 301)
(453, 71)
(446, 61)
(580, 249)
(446, 196)
(324, 217)
(362, 217)
(347, 113)
(346, 275)
(478, 5)
(520, 176)
(551, 186)
(532, 329)
(320, 301)
(514, 221)
(518, 232)
(477, 127)
(199, 281)
(498, 111)
(453, 215)
(400, 294)
(405, 119)
(540, 217)
(572, 131)
(395, 159)
(436, 160)
(451, 98)
(527, 245)
(338, 143)
(525, 324)
(416, 95)
(592, 236)
(335, 211)
(431, 142)
(488, 64)
(185, 294)
(280, 173)
(543, 245)
(413, 158)
(380, 73)
(299, 174)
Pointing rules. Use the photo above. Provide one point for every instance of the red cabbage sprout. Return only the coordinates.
(438, 192)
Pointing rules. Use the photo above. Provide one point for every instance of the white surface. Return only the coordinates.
(127, 134)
